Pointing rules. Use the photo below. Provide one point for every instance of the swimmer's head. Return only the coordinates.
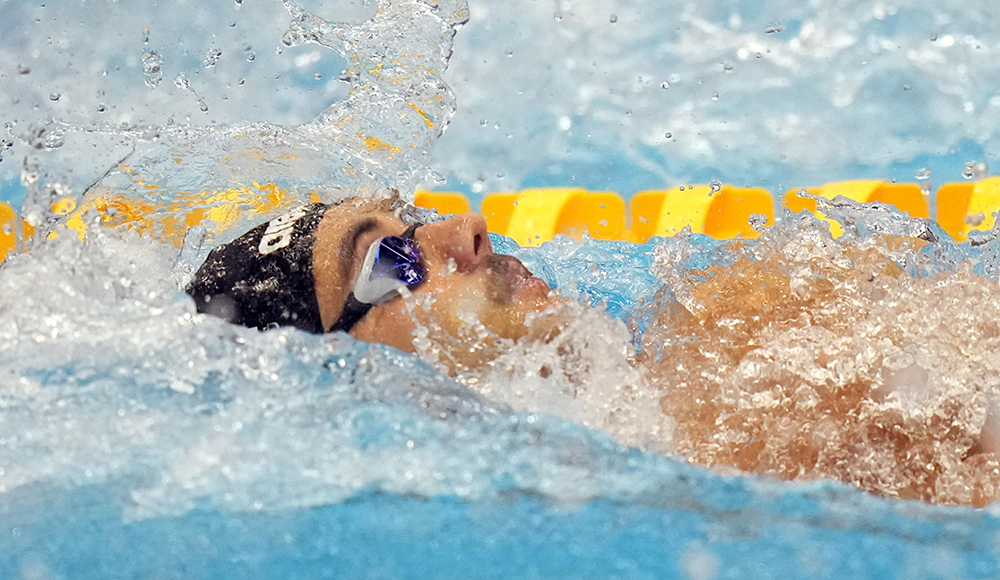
(344, 267)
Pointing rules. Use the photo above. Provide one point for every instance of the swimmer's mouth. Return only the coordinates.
(510, 278)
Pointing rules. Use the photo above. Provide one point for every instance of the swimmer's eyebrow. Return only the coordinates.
(349, 245)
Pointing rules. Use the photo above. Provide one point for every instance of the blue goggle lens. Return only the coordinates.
(399, 258)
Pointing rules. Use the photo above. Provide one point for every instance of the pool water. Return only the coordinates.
(140, 440)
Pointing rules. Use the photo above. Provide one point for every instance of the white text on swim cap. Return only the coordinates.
(279, 231)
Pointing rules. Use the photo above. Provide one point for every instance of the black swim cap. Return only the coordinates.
(264, 277)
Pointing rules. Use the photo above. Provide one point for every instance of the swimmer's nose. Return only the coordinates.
(462, 238)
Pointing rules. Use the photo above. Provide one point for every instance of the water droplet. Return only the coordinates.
(238, 2)
(975, 170)
(251, 56)
(145, 36)
(317, 76)
(728, 67)
(975, 219)
(101, 108)
(152, 68)
(664, 85)
(614, 18)
(182, 81)
(923, 174)
(484, 122)
(759, 55)
(933, 37)
(203, 106)
(53, 141)
(557, 17)
(682, 188)
(212, 57)
(241, 81)
(54, 96)
(501, 175)
(668, 135)
(509, 52)
(8, 229)
(232, 24)
(906, 87)
(715, 96)
(774, 29)
(715, 186)
(757, 221)
(628, 111)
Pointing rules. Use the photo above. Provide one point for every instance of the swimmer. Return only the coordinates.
(762, 368)
(349, 267)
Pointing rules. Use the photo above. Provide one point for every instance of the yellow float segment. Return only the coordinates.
(9, 235)
(965, 207)
(8, 230)
(906, 197)
(497, 209)
(445, 203)
(721, 214)
(539, 214)
(601, 215)
(535, 216)
(644, 209)
(732, 208)
(170, 221)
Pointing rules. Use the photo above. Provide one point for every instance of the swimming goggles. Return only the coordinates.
(391, 264)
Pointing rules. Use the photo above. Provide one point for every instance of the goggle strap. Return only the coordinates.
(353, 311)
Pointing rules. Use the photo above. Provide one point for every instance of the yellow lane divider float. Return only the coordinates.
(536, 215)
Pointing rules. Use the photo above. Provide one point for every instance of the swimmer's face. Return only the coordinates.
(466, 282)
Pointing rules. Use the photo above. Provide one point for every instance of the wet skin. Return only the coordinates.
(467, 281)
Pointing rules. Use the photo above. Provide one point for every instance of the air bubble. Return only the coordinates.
(203, 106)
(182, 82)
(251, 56)
(774, 29)
(614, 18)
(54, 96)
(212, 58)
(668, 135)
(7, 228)
(728, 67)
(509, 52)
(715, 186)
(101, 108)
(715, 96)
(241, 81)
(923, 174)
(152, 68)
(664, 85)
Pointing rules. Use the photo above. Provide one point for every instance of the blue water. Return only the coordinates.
(140, 441)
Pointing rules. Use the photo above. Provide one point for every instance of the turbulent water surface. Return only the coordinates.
(141, 440)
